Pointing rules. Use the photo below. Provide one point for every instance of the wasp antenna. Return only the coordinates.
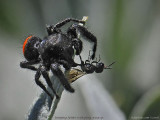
(108, 67)
(111, 64)
(99, 59)
(80, 58)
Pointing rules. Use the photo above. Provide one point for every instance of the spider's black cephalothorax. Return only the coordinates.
(54, 50)
(94, 66)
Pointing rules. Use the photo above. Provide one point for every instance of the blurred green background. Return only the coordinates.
(128, 32)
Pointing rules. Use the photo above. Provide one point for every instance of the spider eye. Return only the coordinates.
(30, 48)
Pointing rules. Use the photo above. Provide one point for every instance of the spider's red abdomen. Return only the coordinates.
(25, 42)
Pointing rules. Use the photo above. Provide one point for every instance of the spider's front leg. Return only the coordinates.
(75, 28)
(56, 28)
(68, 65)
(28, 64)
(57, 71)
(67, 20)
(65, 64)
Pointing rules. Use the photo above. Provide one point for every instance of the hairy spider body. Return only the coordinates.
(54, 50)
(30, 50)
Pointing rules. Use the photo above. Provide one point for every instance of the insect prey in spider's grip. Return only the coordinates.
(90, 66)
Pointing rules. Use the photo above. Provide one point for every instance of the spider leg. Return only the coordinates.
(65, 64)
(82, 62)
(85, 33)
(68, 61)
(67, 20)
(28, 64)
(40, 84)
(68, 65)
(56, 71)
(46, 77)
(78, 45)
(55, 28)
(74, 64)
(87, 62)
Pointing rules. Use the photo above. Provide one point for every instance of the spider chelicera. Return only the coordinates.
(54, 50)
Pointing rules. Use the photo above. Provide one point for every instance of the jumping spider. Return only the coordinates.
(54, 50)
